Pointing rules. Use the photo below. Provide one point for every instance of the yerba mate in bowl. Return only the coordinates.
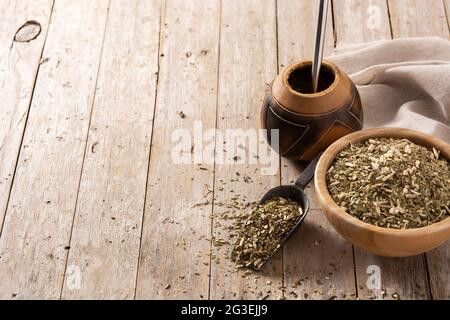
(384, 203)
(262, 232)
(391, 183)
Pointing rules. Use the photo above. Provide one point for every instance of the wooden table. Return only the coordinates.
(91, 205)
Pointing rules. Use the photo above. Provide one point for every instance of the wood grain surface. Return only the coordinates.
(40, 211)
(19, 63)
(92, 201)
(415, 18)
(174, 261)
(107, 225)
(357, 21)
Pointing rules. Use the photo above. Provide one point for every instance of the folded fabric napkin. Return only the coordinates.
(403, 83)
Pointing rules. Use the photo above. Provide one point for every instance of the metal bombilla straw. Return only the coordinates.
(319, 42)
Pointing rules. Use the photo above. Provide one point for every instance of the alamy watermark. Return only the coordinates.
(73, 277)
(374, 14)
(227, 147)
(374, 277)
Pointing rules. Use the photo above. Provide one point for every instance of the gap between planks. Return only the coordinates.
(215, 147)
(161, 19)
(85, 147)
(277, 54)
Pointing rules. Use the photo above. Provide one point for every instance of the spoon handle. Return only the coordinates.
(307, 174)
(322, 12)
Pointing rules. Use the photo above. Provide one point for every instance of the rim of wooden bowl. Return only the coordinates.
(330, 154)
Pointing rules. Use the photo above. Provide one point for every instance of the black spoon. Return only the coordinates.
(295, 192)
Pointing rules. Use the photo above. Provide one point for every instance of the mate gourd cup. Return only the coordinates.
(310, 122)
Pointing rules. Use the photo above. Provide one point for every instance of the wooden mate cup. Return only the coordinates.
(310, 122)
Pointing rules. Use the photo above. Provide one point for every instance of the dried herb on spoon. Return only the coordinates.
(261, 232)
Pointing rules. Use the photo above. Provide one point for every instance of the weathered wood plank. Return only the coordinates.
(19, 63)
(395, 274)
(439, 270)
(247, 64)
(359, 21)
(318, 264)
(175, 248)
(107, 225)
(40, 212)
(416, 18)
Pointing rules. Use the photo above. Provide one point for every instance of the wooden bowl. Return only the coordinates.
(378, 240)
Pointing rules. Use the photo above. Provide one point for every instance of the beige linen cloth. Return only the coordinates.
(403, 83)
